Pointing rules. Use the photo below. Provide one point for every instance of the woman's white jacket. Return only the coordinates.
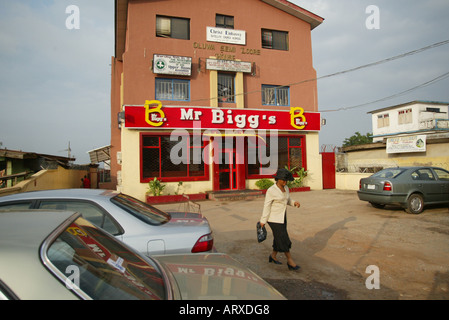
(275, 205)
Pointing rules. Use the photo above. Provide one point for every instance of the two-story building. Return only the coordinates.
(408, 134)
(216, 94)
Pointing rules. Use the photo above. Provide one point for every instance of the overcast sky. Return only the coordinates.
(55, 81)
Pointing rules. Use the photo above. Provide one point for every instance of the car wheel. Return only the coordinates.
(377, 205)
(415, 204)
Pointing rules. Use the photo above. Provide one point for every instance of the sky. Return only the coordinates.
(56, 73)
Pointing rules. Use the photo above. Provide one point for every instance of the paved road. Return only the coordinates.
(336, 237)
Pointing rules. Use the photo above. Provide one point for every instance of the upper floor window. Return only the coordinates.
(383, 120)
(222, 21)
(170, 27)
(405, 116)
(226, 87)
(272, 39)
(275, 95)
(172, 89)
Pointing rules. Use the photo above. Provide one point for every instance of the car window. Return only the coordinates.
(15, 206)
(88, 210)
(442, 174)
(423, 174)
(388, 173)
(141, 210)
(101, 267)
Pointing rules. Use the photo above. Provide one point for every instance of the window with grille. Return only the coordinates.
(275, 95)
(156, 158)
(226, 87)
(290, 154)
(272, 39)
(222, 21)
(171, 27)
(172, 89)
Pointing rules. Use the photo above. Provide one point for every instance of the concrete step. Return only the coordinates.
(232, 195)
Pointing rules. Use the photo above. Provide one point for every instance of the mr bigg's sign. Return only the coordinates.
(153, 115)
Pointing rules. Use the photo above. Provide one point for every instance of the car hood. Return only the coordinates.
(216, 276)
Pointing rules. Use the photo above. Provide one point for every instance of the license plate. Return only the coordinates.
(371, 187)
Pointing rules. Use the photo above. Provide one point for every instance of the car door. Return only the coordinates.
(426, 182)
(90, 211)
(443, 184)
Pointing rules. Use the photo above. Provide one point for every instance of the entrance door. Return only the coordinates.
(328, 167)
(227, 170)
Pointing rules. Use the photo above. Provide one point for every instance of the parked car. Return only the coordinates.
(410, 187)
(56, 255)
(138, 224)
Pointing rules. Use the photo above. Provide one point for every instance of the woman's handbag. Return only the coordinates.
(261, 232)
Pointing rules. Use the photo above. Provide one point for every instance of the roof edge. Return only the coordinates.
(301, 13)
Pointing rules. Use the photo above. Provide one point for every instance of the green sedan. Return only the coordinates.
(410, 187)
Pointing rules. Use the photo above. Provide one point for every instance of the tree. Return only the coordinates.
(357, 139)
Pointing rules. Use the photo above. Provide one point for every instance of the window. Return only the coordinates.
(172, 158)
(383, 120)
(222, 21)
(141, 210)
(226, 87)
(172, 89)
(89, 211)
(272, 39)
(107, 269)
(423, 174)
(442, 174)
(275, 95)
(290, 153)
(405, 116)
(169, 27)
(16, 206)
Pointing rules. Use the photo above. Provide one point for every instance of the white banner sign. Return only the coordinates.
(228, 65)
(226, 35)
(406, 144)
(175, 65)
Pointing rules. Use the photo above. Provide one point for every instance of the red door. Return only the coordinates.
(227, 170)
(328, 165)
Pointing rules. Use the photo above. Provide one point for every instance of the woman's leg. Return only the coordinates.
(289, 259)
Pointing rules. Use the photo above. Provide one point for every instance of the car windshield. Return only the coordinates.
(101, 267)
(388, 173)
(141, 210)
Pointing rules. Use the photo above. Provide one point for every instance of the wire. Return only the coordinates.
(422, 85)
(400, 56)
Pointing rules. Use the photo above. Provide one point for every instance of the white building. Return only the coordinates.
(412, 118)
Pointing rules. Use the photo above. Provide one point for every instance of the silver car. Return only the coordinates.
(56, 255)
(138, 224)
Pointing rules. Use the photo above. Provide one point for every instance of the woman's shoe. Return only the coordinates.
(270, 259)
(293, 268)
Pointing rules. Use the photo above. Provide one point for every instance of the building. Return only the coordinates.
(216, 94)
(427, 118)
(408, 134)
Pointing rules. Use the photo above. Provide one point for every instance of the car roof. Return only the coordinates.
(21, 236)
(61, 193)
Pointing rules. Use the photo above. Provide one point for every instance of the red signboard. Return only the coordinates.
(153, 115)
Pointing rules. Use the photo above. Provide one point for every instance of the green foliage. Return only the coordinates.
(264, 183)
(155, 187)
(357, 139)
(298, 182)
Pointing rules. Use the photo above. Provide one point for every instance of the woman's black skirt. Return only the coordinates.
(281, 241)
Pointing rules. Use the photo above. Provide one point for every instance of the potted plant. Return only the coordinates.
(154, 194)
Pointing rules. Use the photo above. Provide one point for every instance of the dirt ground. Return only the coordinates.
(335, 238)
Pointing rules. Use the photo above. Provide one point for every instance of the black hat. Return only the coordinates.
(284, 174)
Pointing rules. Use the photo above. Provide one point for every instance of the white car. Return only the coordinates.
(138, 224)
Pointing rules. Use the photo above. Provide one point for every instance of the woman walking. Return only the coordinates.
(275, 213)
